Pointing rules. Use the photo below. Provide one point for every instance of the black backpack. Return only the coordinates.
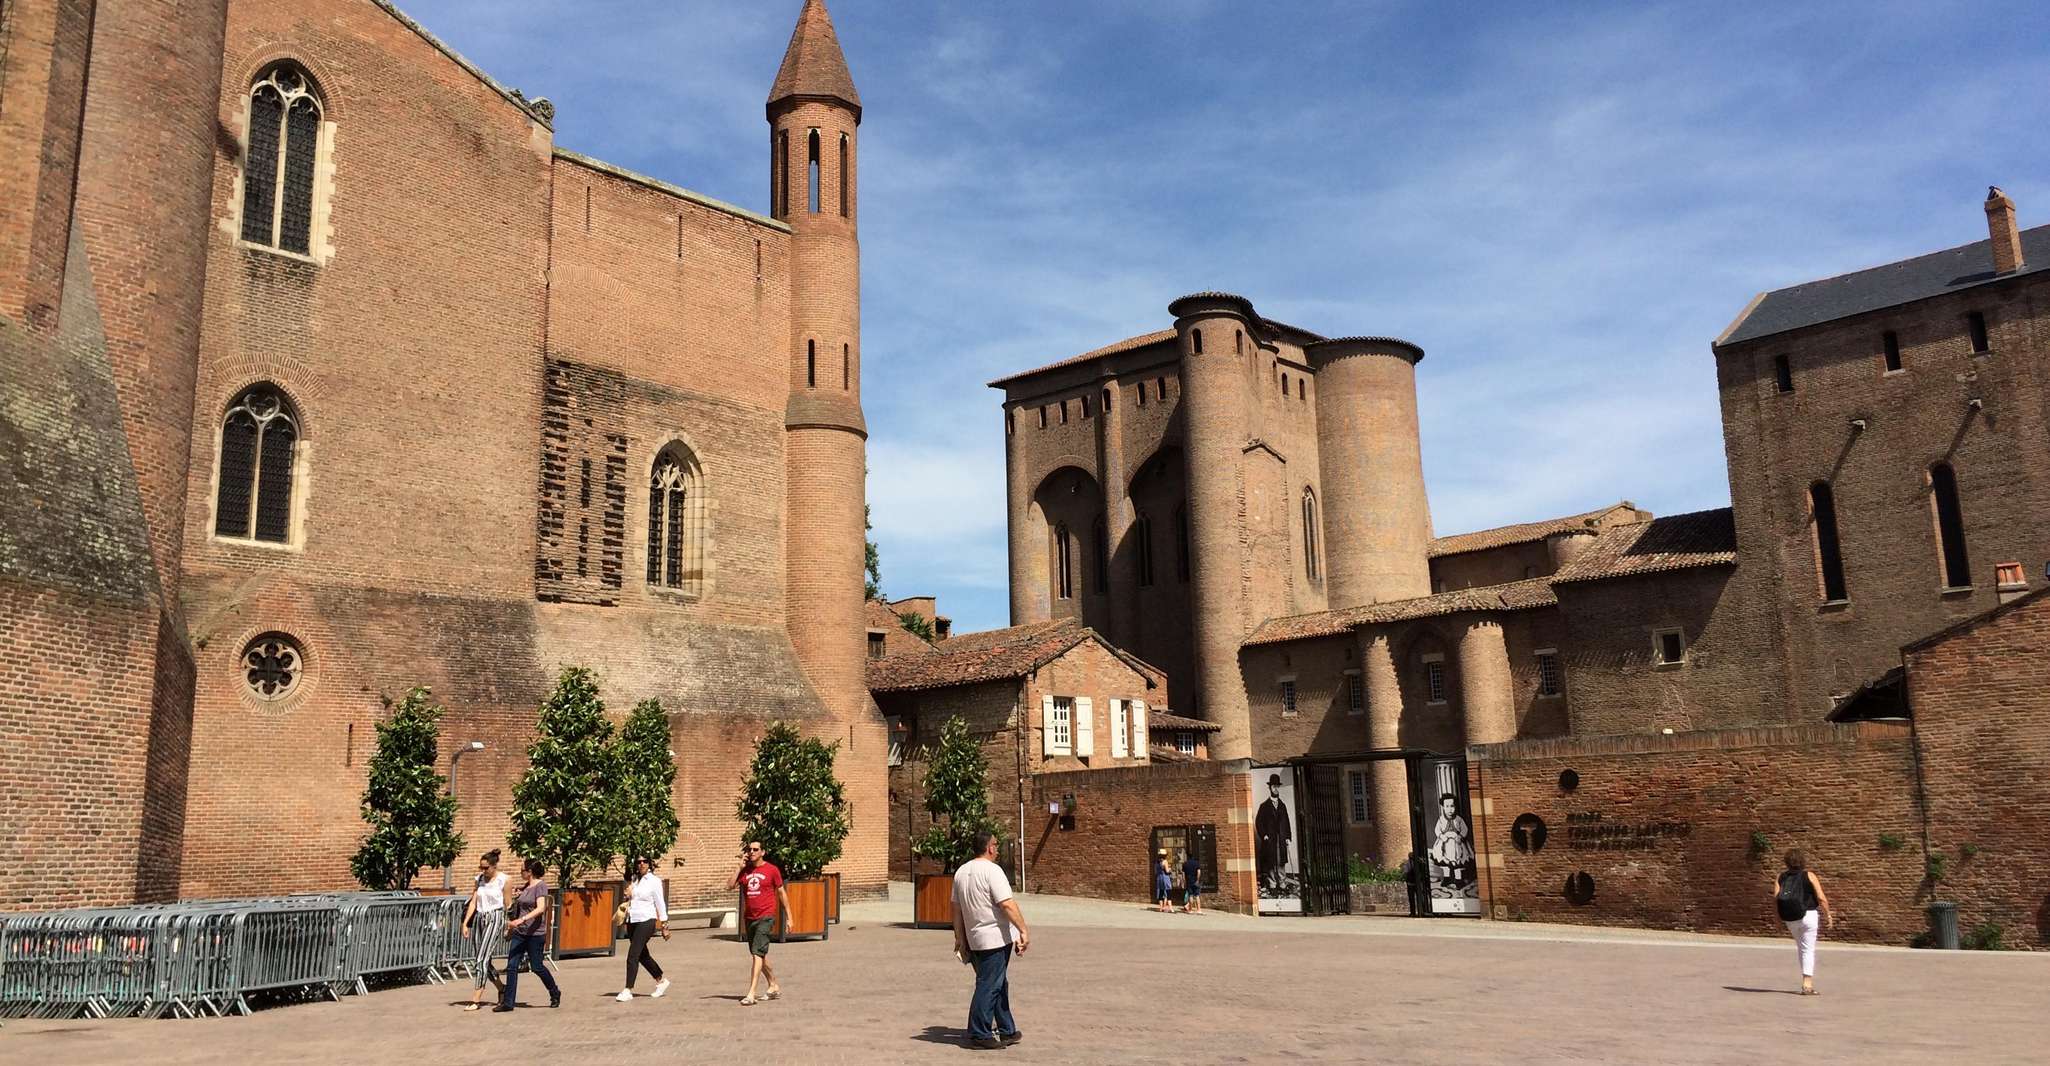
(1791, 900)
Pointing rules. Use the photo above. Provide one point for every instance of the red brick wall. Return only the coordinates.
(1687, 807)
(1106, 854)
(1981, 699)
(1779, 443)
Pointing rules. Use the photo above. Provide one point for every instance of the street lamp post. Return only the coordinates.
(448, 871)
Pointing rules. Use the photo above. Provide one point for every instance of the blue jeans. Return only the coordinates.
(992, 1002)
(535, 947)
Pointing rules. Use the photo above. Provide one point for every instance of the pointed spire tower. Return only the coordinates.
(814, 113)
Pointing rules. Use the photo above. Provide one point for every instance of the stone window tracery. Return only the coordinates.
(676, 523)
(278, 170)
(259, 443)
(271, 666)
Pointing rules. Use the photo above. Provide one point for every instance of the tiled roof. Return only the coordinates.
(1675, 542)
(1159, 720)
(992, 655)
(1515, 596)
(1524, 532)
(1880, 287)
(1128, 344)
(813, 65)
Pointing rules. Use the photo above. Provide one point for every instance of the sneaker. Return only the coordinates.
(1012, 1037)
(624, 996)
(554, 1000)
(502, 1008)
(985, 1043)
(660, 987)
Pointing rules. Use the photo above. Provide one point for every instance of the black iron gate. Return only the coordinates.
(1325, 885)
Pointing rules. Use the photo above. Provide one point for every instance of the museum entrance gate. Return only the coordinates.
(1442, 872)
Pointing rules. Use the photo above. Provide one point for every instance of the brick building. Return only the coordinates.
(328, 372)
(1241, 501)
(1051, 697)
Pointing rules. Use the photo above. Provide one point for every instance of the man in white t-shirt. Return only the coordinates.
(984, 917)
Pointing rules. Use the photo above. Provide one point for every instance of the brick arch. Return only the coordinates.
(1070, 497)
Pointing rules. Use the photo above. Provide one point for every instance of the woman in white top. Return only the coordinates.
(647, 913)
(485, 918)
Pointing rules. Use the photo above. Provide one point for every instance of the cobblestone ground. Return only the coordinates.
(1111, 984)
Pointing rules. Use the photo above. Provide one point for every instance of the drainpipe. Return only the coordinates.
(447, 871)
(1018, 762)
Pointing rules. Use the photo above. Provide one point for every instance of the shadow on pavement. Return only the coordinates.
(1765, 991)
(943, 1034)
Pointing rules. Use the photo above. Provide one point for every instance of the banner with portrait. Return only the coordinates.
(1277, 866)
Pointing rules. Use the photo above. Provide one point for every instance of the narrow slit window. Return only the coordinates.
(1064, 412)
(1828, 549)
(1976, 324)
(811, 364)
(1102, 546)
(1551, 682)
(1950, 526)
(1160, 389)
(1355, 695)
(779, 195)
(1181, 544)
(1106, 400)
(846, 366)
(1890, 342)
(811, 173)
(1783, 373)
(1288, 706)
(845, 172)
(1196, 339)
(1064, 561)
(1434, 679)
(1310, 561)
(1142, 549)
(1238, 342)
(1142, 394)
(1042, 416)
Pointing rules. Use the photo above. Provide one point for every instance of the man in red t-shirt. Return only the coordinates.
(764, 899)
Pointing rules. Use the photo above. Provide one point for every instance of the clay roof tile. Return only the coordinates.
(813, 65)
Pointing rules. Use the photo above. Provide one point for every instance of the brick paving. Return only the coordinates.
(1111, 983)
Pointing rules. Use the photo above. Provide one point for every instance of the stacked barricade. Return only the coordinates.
(207, 957)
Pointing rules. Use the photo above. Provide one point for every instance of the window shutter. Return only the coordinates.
(1120, 728)
(1046, 745)
(1085, 732)
(1139, 729)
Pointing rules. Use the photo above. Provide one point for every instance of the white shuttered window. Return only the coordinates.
(1139, 729)
(1057, 724)
(1085, 727)
(1120, 728)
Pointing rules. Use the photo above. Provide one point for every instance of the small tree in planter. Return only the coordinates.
(647, 775)
(412, 823)
(957, 797)
(793, 804)
(564, 812)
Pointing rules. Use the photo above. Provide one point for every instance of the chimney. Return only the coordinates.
(2007, 241)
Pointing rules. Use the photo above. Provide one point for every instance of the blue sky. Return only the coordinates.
(1562, 203)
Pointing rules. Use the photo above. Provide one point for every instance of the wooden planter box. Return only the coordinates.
(807, 918)
(583, 919)
(832, 897)
(932, 901)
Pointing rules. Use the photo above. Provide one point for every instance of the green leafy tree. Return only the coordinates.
(647, 773)
(916, 625)
(957, 797)
(792, 803)
(412, 823)
(564, 812)
(871, 560)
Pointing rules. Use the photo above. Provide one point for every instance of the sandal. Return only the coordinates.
(775, 993)
(748, 1001)
(474, 1006)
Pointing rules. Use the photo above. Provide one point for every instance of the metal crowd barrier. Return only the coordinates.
(207, 957)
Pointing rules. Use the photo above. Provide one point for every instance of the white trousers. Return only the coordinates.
(1803, 932)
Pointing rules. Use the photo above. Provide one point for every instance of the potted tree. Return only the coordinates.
(564, 812)
(412, 822)
(957, 797)
(793, 804)
(647, 777)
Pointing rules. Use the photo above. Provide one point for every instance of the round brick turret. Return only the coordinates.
(1216, 373)
(1377, 520)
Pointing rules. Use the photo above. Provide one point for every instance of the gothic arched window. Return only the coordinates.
(676, 509)
(278, 172)
(1310, 562)
(1064, 560)
(259, 441)
(1950, 527)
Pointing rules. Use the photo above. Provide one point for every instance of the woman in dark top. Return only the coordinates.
(1798, 897)
(1192, 876)
(528, 936)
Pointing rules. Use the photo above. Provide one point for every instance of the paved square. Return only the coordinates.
(1106, 983)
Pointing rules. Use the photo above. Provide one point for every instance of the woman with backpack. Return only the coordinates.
(1797, 895)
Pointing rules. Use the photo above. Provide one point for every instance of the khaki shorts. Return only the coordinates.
(759, 932)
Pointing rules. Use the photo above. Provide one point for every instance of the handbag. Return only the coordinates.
(619, 916)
